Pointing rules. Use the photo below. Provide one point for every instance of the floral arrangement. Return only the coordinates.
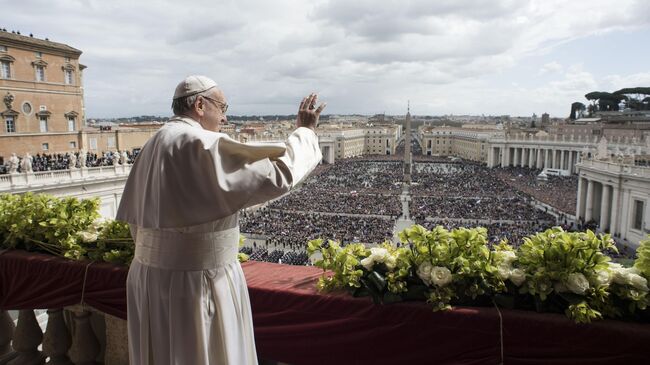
(552, 271)
(66, 227)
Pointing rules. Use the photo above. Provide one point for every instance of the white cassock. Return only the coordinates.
(186, 293)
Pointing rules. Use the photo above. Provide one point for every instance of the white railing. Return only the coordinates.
(617, 168)
(22, 181)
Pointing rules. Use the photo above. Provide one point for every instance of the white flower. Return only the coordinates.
(603, 277)
(97, 223)
(638, 281)
(367, 263)
(577, 283)
(87, 236)
(391, 262)
(517, 276)
(508, 257)
(378, 254)
(440, 276)
(503, 271)
(424, 271)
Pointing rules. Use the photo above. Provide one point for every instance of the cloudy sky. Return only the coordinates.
(446, 56)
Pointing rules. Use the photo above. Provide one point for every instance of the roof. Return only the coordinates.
(8, 38)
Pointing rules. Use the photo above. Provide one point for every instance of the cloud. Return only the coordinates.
(366, 56)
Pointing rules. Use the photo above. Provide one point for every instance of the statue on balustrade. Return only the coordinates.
(83, 156)
(601, 152)
(72, 163)
(124, 158)
(26, 163)
(115, 158)
(13, 163)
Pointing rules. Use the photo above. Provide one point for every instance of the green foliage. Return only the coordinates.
(643, 257)
(66, 227)
(555, 270)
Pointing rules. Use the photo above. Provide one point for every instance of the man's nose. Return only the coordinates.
(224, 120)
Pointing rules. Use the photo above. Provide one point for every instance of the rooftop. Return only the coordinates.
(15, 39)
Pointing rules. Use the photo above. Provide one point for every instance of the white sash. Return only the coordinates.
(186, 251)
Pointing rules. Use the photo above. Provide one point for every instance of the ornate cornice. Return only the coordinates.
(72, 114)
(7, 58)
(9, 113)
(39, 63)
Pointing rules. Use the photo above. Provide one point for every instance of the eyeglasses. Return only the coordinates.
(223, 106)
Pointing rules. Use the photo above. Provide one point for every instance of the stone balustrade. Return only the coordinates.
(73, 336)
(22, 182)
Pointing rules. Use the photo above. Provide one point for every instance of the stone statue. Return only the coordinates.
(13, 163)
(83, 156)
(26, 163)
(8, 100)
(601, 153)
(124, 158)
(115, 157)
(72, 164)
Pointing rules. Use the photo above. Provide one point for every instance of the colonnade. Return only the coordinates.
(599, 201)
(535, 157)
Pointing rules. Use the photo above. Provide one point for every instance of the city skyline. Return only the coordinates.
(461, 57)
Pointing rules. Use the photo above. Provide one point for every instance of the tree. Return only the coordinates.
(577, 109)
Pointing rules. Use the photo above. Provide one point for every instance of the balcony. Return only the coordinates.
(23, 182)
(294, 323)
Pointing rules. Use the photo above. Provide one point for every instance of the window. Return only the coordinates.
(72, 145)
(38, 54)
(10, 124)
(110, 143)
(93, 143)
(68, 77)
(5, 69)
(40, 73)
(70, 124)
(45, 146)
(637, 222)
(3, 48)
(43, 123)
(67, 59)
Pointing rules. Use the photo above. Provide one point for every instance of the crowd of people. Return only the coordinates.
(560, 192)
(358, 200)
(514, 209)
(318, 199)
(297, 228)
(64, 161)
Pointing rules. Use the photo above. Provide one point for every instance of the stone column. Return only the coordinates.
(531, 158)
(580, 200)
(604, 208)
(27, 337)
(56, 341)
(589, 203)
(614, 228)
(6, 332)
(571, 162)
(554, 159)
(86, 344)
(562, 160)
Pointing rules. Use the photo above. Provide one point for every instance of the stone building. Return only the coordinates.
(41, 84)
(468, 143)
(616, 196)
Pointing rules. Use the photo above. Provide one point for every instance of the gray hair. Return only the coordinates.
(184, 105)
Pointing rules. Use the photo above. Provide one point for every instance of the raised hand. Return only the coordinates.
(307, 113)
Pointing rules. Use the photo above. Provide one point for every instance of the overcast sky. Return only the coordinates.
(446, 56)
